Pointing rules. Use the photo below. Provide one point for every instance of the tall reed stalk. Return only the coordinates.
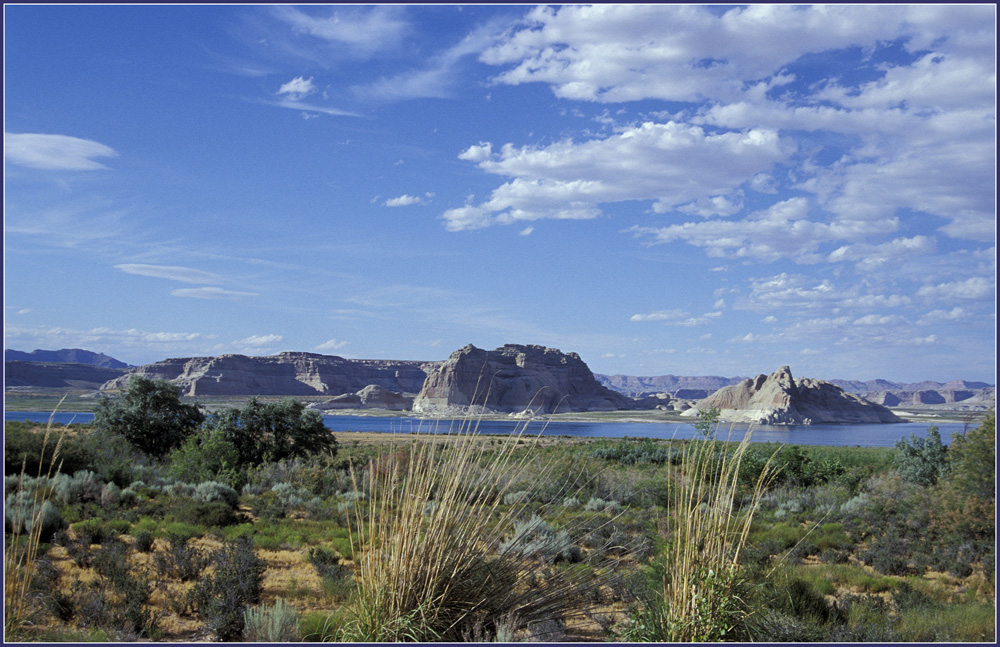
(432, 568)
(21, 550)
(704, 531)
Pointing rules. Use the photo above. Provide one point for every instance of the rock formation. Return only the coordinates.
(777, 399)
(372, 396)
(282, 374)
(515, 379)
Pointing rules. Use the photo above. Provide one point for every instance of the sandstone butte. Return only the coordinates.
(515, 379)
(777, 399)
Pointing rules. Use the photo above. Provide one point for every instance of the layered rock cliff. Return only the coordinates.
(282, 374)
(515, 379)
(778, 399)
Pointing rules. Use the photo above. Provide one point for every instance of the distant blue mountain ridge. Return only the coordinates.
(65, 356)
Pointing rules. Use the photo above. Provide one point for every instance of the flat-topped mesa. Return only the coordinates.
(515, 379)
(777, 399)
(282, 374)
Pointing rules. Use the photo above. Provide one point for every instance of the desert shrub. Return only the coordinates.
(645, 451)
(24, 514)
(887, 554)
(111, 495)
(275, 623)
(213, 491)
(221, 599)
(143, 541)
(217, 514)
(180, 560)
(923, 461)
(128, 612)
(534, 538)
(96, 531)
(596, 504)
(326, 561)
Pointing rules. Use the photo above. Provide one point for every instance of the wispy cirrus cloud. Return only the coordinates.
(355, 31)
(54, 152)
(332, 344)
(171, 272)
(258, 341)
(212, 293)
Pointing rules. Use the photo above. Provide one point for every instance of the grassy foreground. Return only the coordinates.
(466, 537)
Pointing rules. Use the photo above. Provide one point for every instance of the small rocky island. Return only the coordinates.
(777, 399)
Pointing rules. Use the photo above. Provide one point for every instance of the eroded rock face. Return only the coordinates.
(515, 379)
(372, 396)
(282, 374)
(778, 399)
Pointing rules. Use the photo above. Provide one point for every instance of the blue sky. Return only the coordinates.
(661, 189)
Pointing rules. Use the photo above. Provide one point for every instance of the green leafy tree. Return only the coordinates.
(923, 461)
(972, 458)
(708, 423)
(149, 415)
(261, 432)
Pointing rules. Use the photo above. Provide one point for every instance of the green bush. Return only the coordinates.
(923, 461)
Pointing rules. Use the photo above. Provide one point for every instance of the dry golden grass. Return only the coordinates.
(19, 558)
(430, 568)
(704, 530)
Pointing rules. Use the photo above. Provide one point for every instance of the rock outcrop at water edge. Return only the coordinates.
(778, 399)
(372, 396)
(515, 379)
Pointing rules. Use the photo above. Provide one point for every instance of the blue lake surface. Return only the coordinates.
(836, 435)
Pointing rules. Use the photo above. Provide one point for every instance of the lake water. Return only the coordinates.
(836, 435)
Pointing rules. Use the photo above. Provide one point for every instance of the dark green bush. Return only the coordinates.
(326, 561)
(143, 541)
(216, 514)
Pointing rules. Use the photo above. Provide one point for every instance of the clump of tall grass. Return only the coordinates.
(26, 535)
(437, 572)
(704, 530)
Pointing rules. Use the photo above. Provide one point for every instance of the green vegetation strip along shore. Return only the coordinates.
(468, 537)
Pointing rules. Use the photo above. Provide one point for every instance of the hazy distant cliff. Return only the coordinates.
(282, 374)
(515, 378)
